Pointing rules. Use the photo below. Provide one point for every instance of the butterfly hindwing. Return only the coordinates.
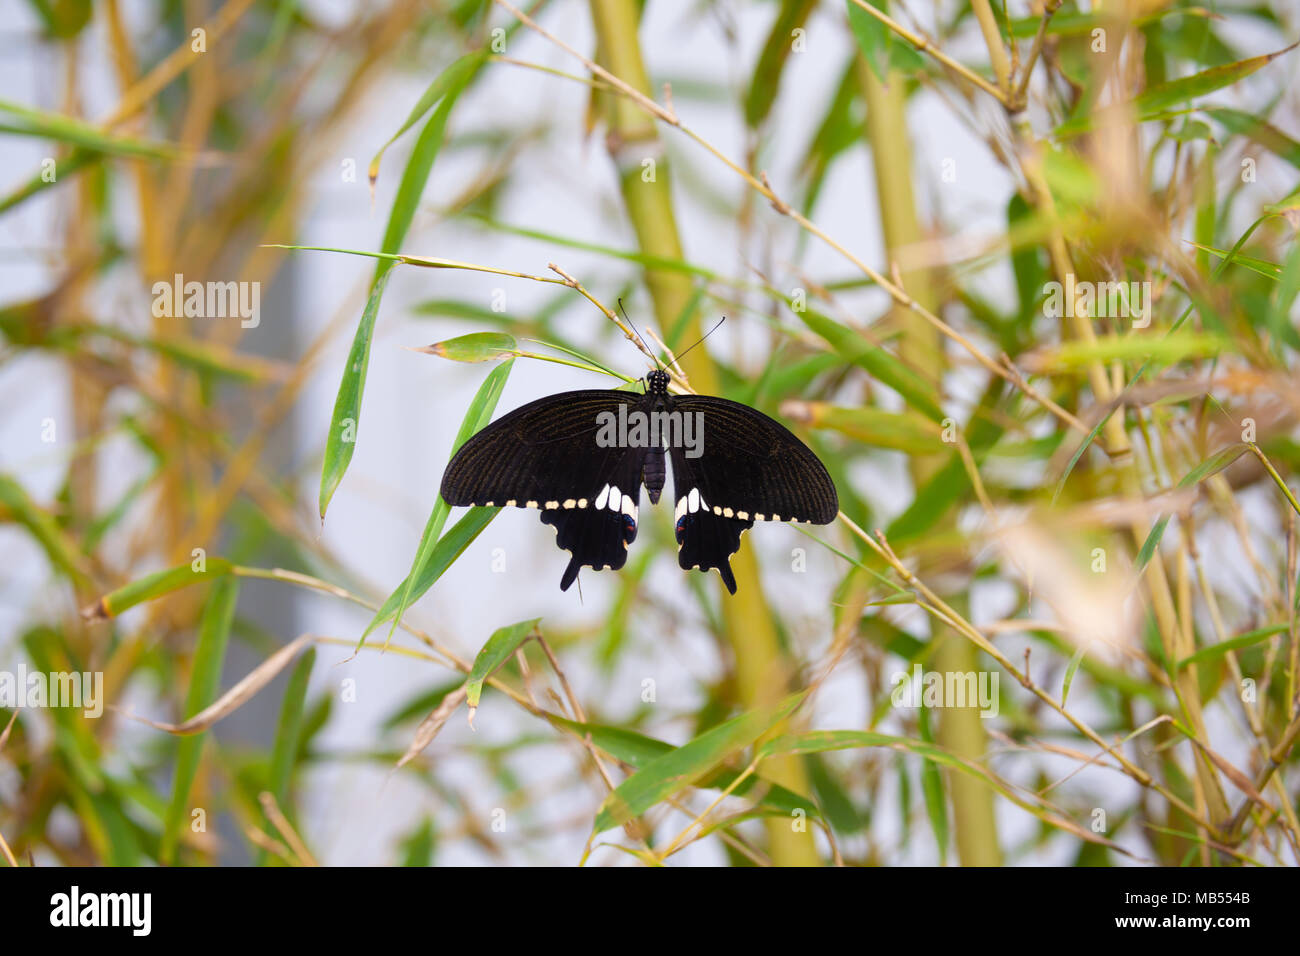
(704, 539)
(545, 455)
(598, 535)
(749, 468)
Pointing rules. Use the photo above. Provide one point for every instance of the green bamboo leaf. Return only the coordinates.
(449, 547)
(1284, 296)
(873, 37)
(1249, 639)
(689, 763)
(1269, 270)
(840, 130)
(342, 439)
(1174, 347)
(475, 347)
(75, 161)
(877, 43)
(766, 79)
(61, 128)
(932, 790)
(477, 417)
(418, 846)
(951, 483)
(1157, 100)
(638, 750)
(854, 347)
(1211, 466)
(1069, 672)
(205, 679)
(872, 426)
(288, 733)
(503, 642)
(934, 757)
(450, 80)
(61, 550)
(157, 584)
(1259, 130)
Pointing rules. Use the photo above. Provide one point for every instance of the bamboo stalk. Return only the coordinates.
(961, 729)
(762, 673)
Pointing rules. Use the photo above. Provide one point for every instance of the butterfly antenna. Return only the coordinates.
(640, 337)
(703, 337)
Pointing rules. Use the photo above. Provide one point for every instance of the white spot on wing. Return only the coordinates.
(693, 500)
(602, 497)
(615, 498)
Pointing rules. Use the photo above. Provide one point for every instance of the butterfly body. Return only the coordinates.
(582, 457)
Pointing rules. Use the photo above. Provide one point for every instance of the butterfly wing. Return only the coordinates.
(545, 455)
(749, 468)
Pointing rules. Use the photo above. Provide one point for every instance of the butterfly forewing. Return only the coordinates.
(545, 455)
(753, 467)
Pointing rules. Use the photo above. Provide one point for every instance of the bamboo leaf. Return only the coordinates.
(1242, 641)
(449, 547)
(450, 80)
(341, 441)
(156, 585)
(1070, 671)
(854, 347)
(1155, 101)
(1211, 466)
(684, 766)
(205, 679)
(61, 128)
(61, 550)
(342, 438)
(503, 643)
(475, 347)
(638, 750)
(477, 417)
(288, 734)
(871, 426)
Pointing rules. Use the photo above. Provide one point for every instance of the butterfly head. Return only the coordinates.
(656, 383)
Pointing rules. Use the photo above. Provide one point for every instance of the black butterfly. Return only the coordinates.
(555, 454)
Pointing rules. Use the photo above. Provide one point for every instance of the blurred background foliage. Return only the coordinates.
(1096, 507)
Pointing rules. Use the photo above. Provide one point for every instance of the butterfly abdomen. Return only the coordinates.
(654, 473)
